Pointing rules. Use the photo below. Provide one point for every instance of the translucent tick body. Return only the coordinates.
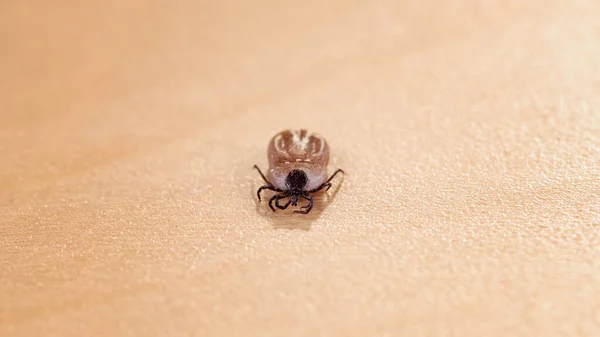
(297, 168)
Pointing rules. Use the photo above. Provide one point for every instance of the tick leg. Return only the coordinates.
(281, 196)
(276, 198)
(266, 187)
(271, 201)
(327, 183)
(334, 173)
(263, 176)
(309, 206)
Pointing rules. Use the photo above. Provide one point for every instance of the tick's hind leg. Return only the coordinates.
(268, 186)
(327, 184)
(263, 176)
(333, 175)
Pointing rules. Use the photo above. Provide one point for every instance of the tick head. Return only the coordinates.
(294, 200)
(296, 181)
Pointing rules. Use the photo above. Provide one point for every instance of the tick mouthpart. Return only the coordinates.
(294, 200)
(296, 180)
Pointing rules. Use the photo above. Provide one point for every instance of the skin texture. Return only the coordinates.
(468, 131)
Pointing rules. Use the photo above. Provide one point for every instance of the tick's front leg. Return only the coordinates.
(276, 198)
(282, 206)
(309, 206)
(271, 201)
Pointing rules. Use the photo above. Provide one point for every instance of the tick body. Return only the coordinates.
(297, 168)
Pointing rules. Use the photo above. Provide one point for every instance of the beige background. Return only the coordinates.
(469, 131)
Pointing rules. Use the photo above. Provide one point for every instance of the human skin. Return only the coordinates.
(468, 132)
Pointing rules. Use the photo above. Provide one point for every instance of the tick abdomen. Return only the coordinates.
(298, 150)
(298, 146)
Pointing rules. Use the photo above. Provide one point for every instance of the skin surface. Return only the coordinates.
(468, 131)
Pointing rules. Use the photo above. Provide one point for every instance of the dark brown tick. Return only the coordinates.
(297, 168)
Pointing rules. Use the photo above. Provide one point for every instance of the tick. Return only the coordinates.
(297, 168)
